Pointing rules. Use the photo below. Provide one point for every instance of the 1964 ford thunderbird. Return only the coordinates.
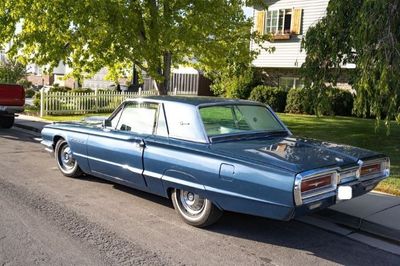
(212, 154)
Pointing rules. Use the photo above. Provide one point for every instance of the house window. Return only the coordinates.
(278, 21)
(288, 83)
(281, 23)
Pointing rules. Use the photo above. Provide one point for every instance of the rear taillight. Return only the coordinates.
(316, 182)
(375, 168)
(371, 169)
(310, 184)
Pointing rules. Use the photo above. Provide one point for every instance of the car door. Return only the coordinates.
(117, 152)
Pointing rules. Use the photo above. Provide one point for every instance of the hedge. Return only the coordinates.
(274, 97)
(300, 101)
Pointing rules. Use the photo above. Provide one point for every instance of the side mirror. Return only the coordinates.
(106, 123)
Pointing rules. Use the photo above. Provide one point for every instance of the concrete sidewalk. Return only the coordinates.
(374, 213)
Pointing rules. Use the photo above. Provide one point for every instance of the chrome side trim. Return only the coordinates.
(152, 174)
(124, 166)
(183, 182)
(233, 194)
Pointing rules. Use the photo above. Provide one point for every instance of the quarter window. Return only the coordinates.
(138, 117)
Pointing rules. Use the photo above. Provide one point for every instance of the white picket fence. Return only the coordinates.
(59, 103)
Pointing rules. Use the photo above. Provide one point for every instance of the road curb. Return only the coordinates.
(360, 224)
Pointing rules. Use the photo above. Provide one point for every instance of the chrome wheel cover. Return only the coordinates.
(191, 203)
(65, 158)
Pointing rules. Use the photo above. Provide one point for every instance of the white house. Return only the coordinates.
(288, 22)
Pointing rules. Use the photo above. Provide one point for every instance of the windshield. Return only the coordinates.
(231, 119)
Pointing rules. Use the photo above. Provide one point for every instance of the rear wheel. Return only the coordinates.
(6, 121)
(65, 160)
(195, 209)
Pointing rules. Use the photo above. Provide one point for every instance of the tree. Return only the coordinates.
(12, 72)
(154, 34)
(365, 33)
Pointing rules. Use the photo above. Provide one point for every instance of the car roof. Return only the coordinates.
(199, 100)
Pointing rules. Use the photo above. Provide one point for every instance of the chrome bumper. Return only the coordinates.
(11, 109)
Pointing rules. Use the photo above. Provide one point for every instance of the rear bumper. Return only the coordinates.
(316, 204)
(11, 109)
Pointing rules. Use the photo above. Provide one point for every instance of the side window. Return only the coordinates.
(138, 117)
(161, 123)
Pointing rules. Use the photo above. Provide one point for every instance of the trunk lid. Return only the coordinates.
(293, 153)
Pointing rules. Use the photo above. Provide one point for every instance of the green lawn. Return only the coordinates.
(353, 131)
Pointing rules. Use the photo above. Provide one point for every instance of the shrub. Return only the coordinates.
(341, 101)
(274, 97)
(82, 90)
(234, 85)
(36, 99)
(29, 93)
(336, 102)
(56, 88)
(299, 101)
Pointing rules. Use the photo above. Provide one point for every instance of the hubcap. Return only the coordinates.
(192, 203)
(67, 162)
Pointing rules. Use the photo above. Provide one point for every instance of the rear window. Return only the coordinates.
(231, 119)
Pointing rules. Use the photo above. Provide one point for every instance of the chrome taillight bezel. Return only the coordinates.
(300, 197)
(383, 172)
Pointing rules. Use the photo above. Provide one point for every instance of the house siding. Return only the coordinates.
(288, 53)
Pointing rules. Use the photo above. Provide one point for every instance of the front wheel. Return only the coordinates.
(6, 121)
(195, 209)
(65, 160)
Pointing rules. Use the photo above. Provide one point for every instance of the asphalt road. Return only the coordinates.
(48, 219)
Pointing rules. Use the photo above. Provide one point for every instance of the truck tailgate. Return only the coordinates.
(12, 95)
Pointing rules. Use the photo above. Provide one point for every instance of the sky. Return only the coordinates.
(248, 11)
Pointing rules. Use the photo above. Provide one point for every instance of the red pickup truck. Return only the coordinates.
(12, 100)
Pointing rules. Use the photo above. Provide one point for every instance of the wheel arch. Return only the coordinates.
(175, 179)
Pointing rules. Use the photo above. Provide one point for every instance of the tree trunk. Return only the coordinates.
(167, 71)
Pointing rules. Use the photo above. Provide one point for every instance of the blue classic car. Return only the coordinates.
(212, 154)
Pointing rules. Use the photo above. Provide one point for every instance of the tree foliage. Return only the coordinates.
(154, 34)
(12, 72)
(365, 33)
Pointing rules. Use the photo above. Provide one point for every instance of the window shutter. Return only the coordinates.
(260, 19)
(296, 21)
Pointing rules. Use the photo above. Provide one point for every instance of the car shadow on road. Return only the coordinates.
(17, 135)
(147, 196)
